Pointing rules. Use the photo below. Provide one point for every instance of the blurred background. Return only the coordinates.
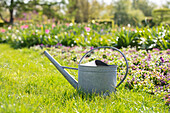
(118, 12)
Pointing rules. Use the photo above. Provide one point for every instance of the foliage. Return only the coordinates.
(79, 34)
(161, 16)
(29, 83)
(79, 10)
(22, 6)
(135, 17)
(95, 9)
(145, 6)
(122, 7)
(51, 9)
(123, 11)
(17, 5)
(125, 14)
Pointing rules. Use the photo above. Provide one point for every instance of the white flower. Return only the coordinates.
(162, 27)
(149, 30)
(9, 27)
(102, 50)
(19, 38)
(59, 0)
(71, 24)
(56, 36)
(152, 45)
(159, 37)
(82, 35)
(143, 39)
(128, 25)
(163, 34)
(117, 38)
(155, 41)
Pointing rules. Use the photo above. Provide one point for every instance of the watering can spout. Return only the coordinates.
(69, 78)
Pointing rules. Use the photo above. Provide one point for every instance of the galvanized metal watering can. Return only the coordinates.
(95, 76)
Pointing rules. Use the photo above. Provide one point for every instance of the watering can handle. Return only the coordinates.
(113, 49)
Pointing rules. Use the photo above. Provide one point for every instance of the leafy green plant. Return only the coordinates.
(87, 35)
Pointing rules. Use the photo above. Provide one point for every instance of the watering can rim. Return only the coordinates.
(83, 65)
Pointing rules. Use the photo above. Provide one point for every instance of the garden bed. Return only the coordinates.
(86, 35)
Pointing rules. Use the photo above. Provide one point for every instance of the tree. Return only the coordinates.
(121, 11)
(50, 9)
(78, 9)
(21, 6)
(161, 15)
(99, 10)
(16, 5)
(145, 6)
(10, 7)
(72, 9)
(84, 7)
(125, 14)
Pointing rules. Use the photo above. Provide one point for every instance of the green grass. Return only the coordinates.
(30, 83)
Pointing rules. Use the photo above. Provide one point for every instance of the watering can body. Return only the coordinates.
(98, 79)
(91, 77)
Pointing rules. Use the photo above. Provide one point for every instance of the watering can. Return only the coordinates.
(97, 77)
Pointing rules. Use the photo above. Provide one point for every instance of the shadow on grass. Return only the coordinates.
(78, 94)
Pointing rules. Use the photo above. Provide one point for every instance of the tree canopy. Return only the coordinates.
(124, 11)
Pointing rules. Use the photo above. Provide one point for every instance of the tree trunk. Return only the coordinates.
(11, 10)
